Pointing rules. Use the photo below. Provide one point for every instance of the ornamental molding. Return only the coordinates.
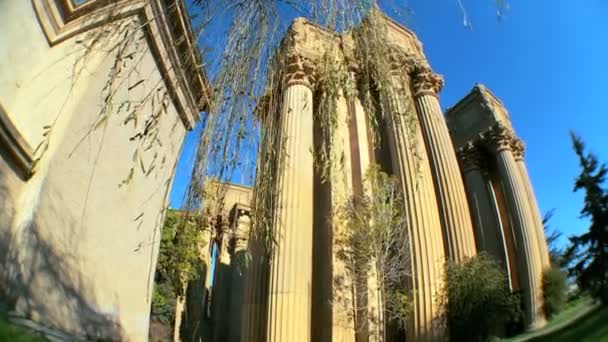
(15, 144)
(63, 19)
(180, 65)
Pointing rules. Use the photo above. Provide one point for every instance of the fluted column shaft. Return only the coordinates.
(489, 232)
(518, 149)
(451, 196)
(411, 166)
(361, 163)
(528, 256)
(240, 236)
(343, 325)
(289, 303)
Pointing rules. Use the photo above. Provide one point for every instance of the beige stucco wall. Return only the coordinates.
(80, 250)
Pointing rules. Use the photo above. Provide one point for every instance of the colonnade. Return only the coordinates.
(498, 153)
(450, 206)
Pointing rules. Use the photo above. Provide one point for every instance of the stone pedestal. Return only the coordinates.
(451, 197)
(529, 260)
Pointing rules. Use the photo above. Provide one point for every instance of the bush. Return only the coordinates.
(476, 300)
(554, 290)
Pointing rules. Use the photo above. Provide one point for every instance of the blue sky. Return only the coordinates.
(546, 60)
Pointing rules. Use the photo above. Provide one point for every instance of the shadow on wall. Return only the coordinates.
(39, 283)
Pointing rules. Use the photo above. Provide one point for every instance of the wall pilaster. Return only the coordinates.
(451, 197)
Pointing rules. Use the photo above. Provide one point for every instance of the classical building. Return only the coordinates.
(95, 99)
(212, 309)
(465, 189)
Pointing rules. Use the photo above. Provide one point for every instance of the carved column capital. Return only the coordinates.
(519, 148)
(240, 233)
(470, 157)
(299, 70)
(397, 61)
(425, 81)
(499, 138)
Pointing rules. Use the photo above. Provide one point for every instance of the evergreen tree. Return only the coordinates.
(589, 251)
(552, 236)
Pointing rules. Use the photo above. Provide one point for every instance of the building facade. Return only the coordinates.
(465, 189)
(95, 99)
(87, 160)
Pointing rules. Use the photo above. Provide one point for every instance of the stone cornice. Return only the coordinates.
(475, 95)
(179, 64)
(17, 147)
(310, 41)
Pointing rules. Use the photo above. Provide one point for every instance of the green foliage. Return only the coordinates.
(177, 260)
(556, 253)
(375, 240)
(591, 327)
(163, 302)
(475, 300)
(588, 252)
(12, 333)
(554, 290)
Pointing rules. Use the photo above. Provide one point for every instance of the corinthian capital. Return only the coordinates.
(470, 157)
(425, 81)
(499, 138)
(518, 147)
(242, 227)
(299, 70)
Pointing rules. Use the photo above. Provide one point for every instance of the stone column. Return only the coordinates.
(289, 293)
(451, 197)
(372, 323)
(238, 266)
(343, 325)
(519, 147)
(499, 139)
(489, 232)
(411, 166)
(222, 283)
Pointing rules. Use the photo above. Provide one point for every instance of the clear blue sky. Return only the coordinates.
(546, 60)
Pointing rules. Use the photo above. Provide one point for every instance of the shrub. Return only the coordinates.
(476, 300)
(554, 290)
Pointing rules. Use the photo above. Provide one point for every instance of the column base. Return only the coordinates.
(537, 324)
